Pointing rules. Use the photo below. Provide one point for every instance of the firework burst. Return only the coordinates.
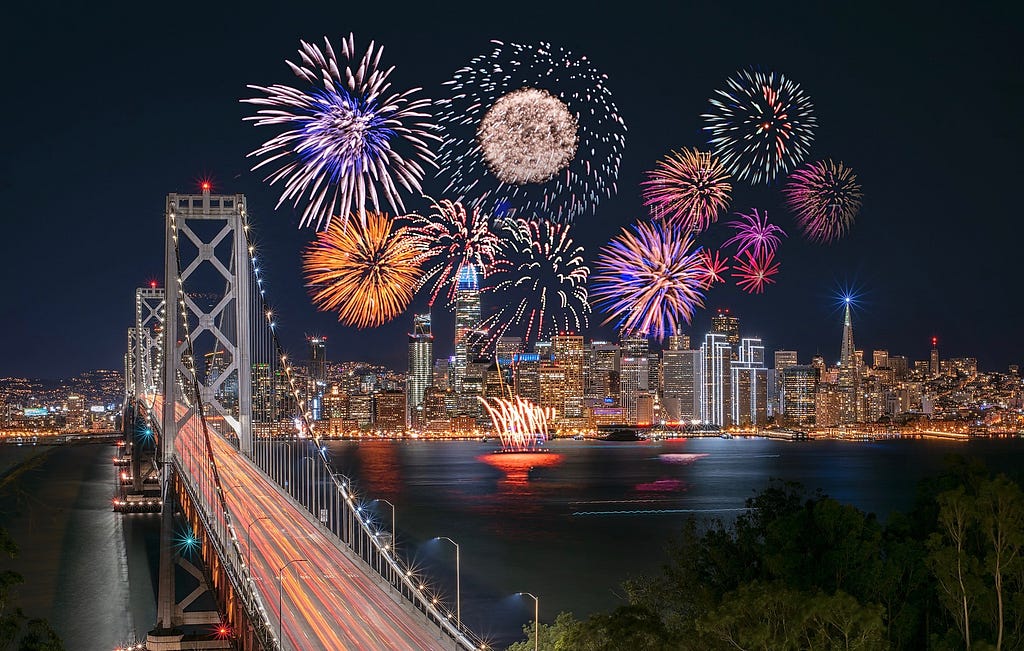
(651, 279)
(542, 279)
(454, 237)
(689, 187)
(367, 271)
(825, 198)
(349, 142)
(761, 125)
(754, 234)
(530, 129)
(754, 271)
(714, 268)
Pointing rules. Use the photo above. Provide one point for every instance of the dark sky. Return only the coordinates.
(107, 108)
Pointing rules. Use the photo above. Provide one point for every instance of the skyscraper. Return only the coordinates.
(725, 323)
(567, 350)
(749, 385)
(681, 390)
(633, 376)
(317, 374)
(716, 377)
(849, 378)
(601, 373)
(799, 387)
(467, 320)
(935, 368)
(678, 342)
(421, 370)
(783, 360)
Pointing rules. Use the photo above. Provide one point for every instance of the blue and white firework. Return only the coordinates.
(351, 143)
(530, 131)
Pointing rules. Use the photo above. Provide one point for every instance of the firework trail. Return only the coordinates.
(689, 187)
(530, 129)
(542, 279)
(454, 237)
(350, 141)
(754, 271)
(714, 268)
(367, 271)
(755, 234)
(761, 125)
(825, 198)
(651, 279)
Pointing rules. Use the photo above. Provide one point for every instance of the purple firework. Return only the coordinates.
(754, 234)
(651, 279)
(350, 141)
(825, 198)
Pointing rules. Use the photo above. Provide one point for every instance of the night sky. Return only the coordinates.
(106, 110)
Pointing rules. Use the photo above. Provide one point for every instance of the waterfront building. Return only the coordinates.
(567, 350)
(783, 360)
(389, 411)
(360, 409)
(335, 403)
(799, 386)
(633, 377)
(749, 385)
(681, 385)
(553, 392)
(716, 379)
(829, 405)
(421, 370)
(526, 376)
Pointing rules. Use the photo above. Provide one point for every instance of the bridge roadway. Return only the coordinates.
(329, 601)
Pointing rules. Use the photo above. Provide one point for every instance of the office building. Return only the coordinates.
(849, 375)
(749, 385)
(467, 321)
(725, 323)
(716, 379)
(799, 386)
(681, 385)
(421, 367)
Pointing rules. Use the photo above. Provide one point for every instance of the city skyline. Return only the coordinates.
(927, 249)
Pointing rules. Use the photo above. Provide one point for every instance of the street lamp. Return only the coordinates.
(393, 535)
(458, 582)
(280, 597)
(248, 540)
(536, 619)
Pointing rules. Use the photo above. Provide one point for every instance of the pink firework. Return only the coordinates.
(714, 267)
(753, 272)
(825, 198)
(454, 237)
(754, 234)
(688, 187)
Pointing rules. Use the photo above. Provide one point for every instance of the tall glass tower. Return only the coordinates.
(467, 319)
(421, 367)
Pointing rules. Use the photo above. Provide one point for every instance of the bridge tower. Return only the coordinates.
(150, 308)
(206, 243)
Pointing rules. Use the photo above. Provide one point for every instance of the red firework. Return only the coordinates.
(754, 272)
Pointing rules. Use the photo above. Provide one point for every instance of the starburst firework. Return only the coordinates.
(454, 237)
(542, 281)
(530, 129)
(714, 267)
(651, 279)
(761, 125)
(367, 271)
(755, 234)
(689, 187)
(753, 272)
(349, 140)
(825, 198)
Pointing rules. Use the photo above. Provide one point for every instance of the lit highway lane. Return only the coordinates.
(327, 601)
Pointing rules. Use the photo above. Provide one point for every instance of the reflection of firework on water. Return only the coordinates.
(825, 197)
(651, 279)
(367, 271)
(521, 425)
(346, 134)
(714, 267)
(530, 129)
(754, 234)
(689, 187)
(753, 272)
(527, 136)
(761, 125)
(681, 457)
(542, 281)
(454, 237)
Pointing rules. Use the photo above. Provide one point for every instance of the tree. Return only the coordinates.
(551, 637)
(1001, 518)
(955, 568)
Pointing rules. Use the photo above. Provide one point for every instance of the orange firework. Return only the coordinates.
(366, 270)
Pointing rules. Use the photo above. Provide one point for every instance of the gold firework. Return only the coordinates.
(366, 270)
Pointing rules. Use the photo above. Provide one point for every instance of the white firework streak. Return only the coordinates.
(520, 424)
(340, 150)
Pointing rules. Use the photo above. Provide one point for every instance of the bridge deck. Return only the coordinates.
(327, 599)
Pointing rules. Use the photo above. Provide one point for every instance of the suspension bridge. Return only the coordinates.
(253, 512)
